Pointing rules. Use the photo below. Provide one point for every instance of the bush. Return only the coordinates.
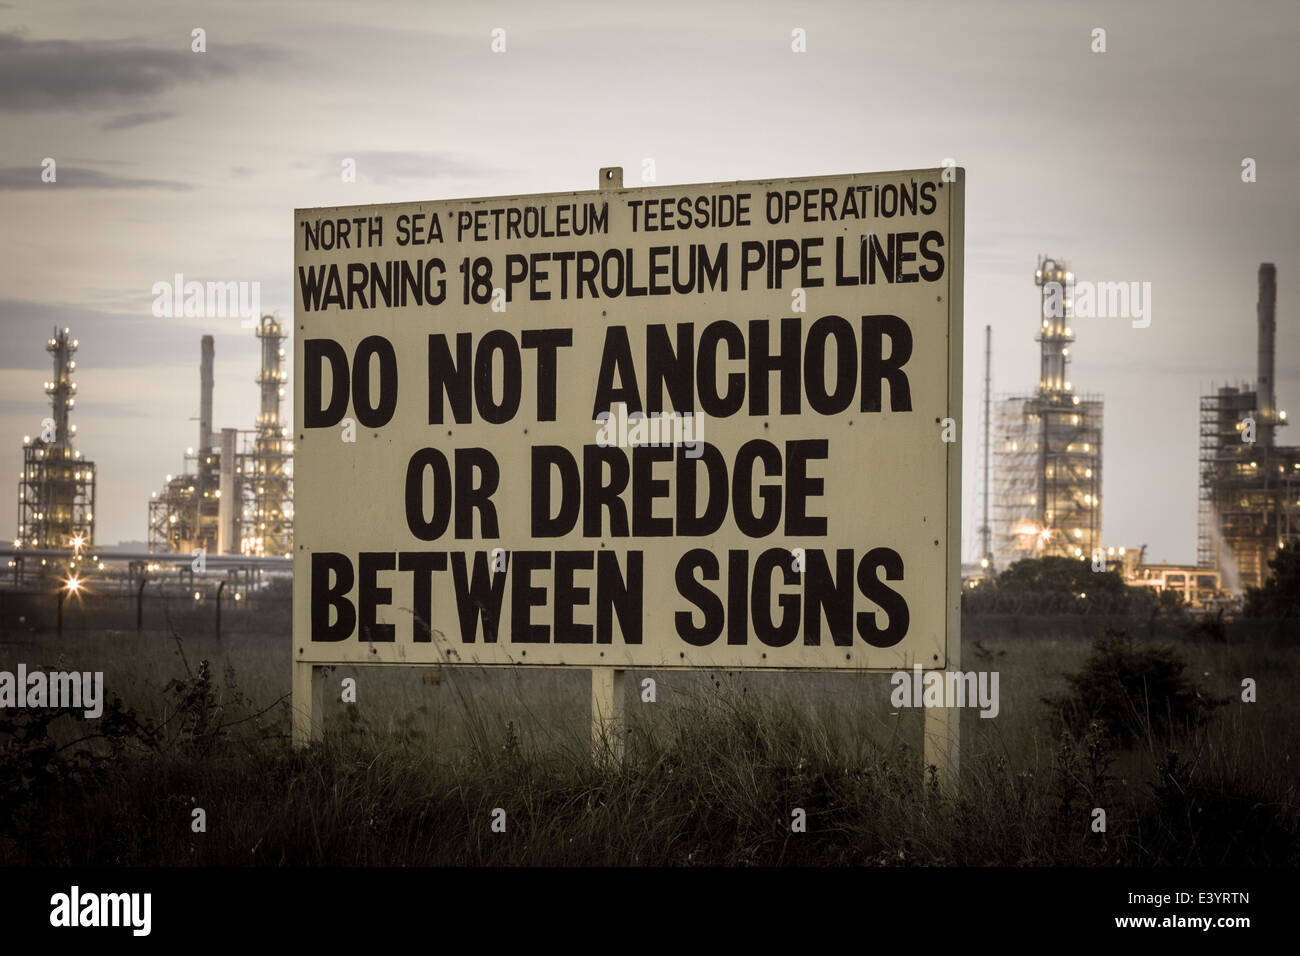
(1280, 595)
(1135, 692)
(1057, 585)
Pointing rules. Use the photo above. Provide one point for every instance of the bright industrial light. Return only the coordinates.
(196, 595)
(73, 585)
(77, 542)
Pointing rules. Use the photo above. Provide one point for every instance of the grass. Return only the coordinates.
(412, 773)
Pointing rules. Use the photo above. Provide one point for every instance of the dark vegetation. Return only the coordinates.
(1280, 595)
(1132, 692)
(712, 772)
(1056, 585)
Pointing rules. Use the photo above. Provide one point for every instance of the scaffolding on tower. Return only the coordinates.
(267, 467)
(56, 491)
(1250, 486)
(1047, 445)
(235, 492)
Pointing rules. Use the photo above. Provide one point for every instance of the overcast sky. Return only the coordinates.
(1127, 164)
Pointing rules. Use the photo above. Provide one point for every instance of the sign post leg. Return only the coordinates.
(942, 743)
(308, 704)
(607, 726)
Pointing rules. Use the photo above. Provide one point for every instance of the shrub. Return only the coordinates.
(1280, 595)
(1135, 692)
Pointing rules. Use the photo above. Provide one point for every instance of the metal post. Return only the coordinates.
(308, 704)
(986, 529)
(608, 728)
(220, 587)
(63, 593)
(139, 603)
(942, 735)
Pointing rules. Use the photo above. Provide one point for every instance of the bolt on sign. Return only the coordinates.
(665, 427)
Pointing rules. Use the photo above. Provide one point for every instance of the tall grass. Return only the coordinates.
(412, 773)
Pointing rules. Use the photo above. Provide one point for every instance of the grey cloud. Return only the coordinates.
(75, 74)
(108, 340)
(130, 120)
(389, 166)
(79, 177)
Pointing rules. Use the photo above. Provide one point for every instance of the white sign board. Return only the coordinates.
(657, 427)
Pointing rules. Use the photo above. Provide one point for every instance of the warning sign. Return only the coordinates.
(680, 426)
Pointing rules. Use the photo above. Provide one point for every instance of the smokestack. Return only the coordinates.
(1264, 309)
(205, 396)
(227, 516)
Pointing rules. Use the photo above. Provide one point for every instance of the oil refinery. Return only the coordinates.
(234, 494)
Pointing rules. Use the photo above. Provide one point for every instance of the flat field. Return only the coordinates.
(717, 766)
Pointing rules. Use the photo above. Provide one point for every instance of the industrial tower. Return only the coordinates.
(1047, 449)
(235, 495)
(1250, 486)
(56, 491)
(268, 469)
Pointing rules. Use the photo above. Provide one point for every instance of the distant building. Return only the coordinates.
(1198, 587)
(1249, 485)
(1047, 446)
(56, 491)
(235, 494)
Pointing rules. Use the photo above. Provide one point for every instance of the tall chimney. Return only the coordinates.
(205, 397)
(1264, 309)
